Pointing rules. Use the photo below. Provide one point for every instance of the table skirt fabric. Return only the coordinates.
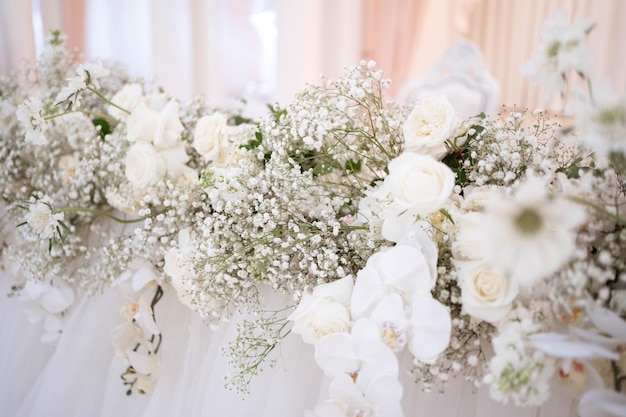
(80, 376)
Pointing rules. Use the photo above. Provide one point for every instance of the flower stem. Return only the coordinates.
(599, 208)
(99, 94)
(97, 212)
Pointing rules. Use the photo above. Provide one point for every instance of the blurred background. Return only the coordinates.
(267, 50)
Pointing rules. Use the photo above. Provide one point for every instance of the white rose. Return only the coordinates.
(430, 124)
(175, 163)
(141, 124)
(317, 317)
(419, 183)
(324, 312)
(127, 98)
(169, 128)
(486, 293)
(210, 139)
(144, 165)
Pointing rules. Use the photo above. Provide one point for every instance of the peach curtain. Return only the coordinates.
(508, 33)
(390, 30)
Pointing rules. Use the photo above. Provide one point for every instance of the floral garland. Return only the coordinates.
(393, 229)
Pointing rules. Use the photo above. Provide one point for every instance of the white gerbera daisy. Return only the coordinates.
(601, 121)
(531, 235)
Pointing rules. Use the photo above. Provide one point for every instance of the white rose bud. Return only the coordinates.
(430, 124)
(486, 293)
(210, 139)
(169, 128)
(141, 124)
(127, 98)
(419, 183)
(144, 165)
(317, 317)
(324, 312)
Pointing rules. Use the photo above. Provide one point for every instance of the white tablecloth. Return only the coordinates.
(81, 376)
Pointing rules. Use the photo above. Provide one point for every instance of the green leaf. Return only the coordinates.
(353, 167)
(446, 214)
(104, 127)
(277, 113)
(240, 120)
(254, 143)
(461, 177)
(321, 169)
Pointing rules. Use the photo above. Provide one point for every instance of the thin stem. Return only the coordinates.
(97, 212)
(99, 94)
(87, 112)
(599, 208)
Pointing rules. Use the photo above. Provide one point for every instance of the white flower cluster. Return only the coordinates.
(393, 228)
(358, 327)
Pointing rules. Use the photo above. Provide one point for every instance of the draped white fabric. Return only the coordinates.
(81, 375)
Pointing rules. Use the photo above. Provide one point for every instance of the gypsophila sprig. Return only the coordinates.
(256, 342)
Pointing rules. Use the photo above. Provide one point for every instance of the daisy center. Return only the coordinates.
(553, 49)
(528, 221)
(612, 116)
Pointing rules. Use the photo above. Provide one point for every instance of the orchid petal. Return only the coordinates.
(335, 355)
(57, 299)
(430, 330)
(339, 290)
(602, 403)
(564, 346)
(608, 322)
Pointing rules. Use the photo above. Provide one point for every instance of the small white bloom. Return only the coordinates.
(562, 48)
(30, 118)
(432, 122)
(144, 165)
(601, 121)
(42, 220)
(486, 293)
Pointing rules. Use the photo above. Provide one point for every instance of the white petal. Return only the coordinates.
(383, 393)
(390, 309)
(368, 290)
(430, 329)
(57, 299)
(602, 403)
(342, 388)
(140, 362)
(418, 238)
(340, 290)
(142, 277)
(608, 322)
(336, 355)
(405, 268)
(396, 224)
(564, 346)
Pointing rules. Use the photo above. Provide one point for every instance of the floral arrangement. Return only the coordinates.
(489, 248)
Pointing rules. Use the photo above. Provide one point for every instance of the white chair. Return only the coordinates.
(462, 77)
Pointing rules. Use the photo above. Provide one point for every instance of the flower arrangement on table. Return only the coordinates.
(491, 249)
